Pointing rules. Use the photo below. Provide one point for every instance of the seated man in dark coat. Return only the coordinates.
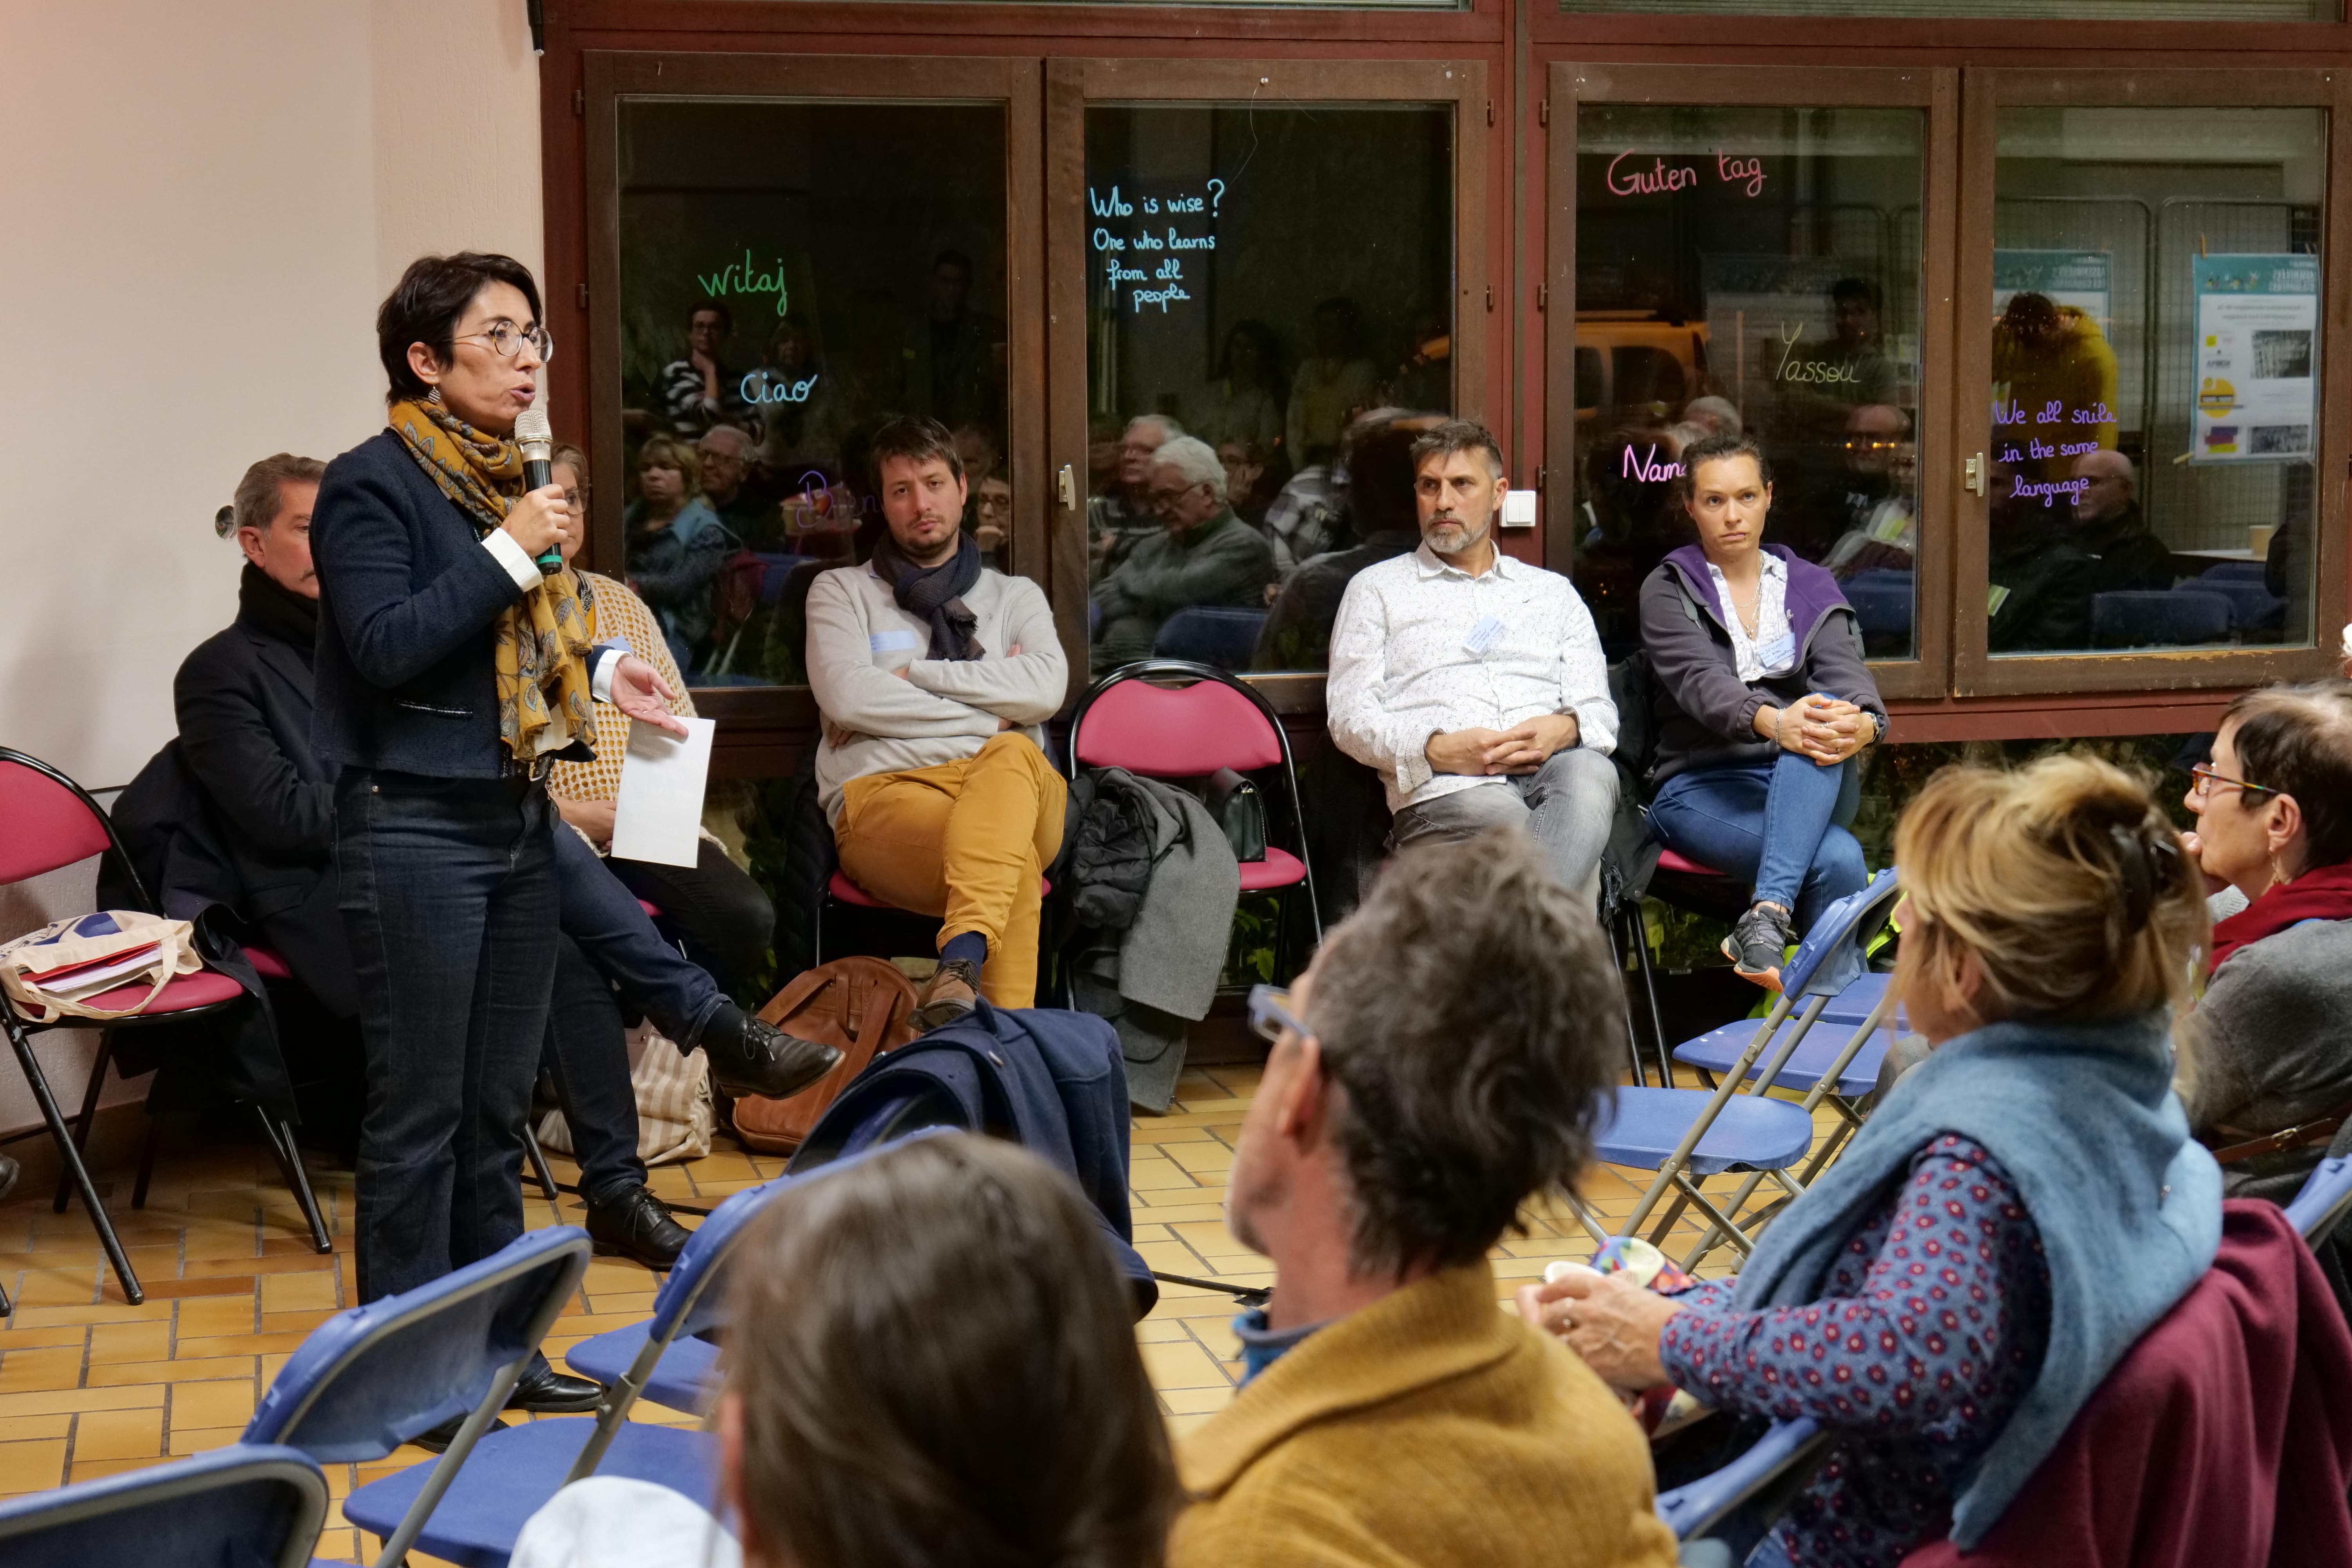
(243, 699)
(2126, 555)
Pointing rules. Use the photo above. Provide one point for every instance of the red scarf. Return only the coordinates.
(2322, 893)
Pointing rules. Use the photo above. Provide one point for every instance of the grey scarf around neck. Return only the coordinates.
(2082, 1117)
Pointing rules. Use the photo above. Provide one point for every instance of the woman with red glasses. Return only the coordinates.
(2269, 1048)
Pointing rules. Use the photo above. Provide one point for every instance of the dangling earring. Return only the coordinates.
(433, 396)
(2279, 878)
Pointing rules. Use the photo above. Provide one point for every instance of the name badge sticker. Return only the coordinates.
(1484, 636)
(892, 641)
(1778, 654)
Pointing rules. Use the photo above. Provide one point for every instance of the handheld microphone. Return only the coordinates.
(537, 438)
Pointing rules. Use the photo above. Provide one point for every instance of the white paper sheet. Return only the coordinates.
(659, 812)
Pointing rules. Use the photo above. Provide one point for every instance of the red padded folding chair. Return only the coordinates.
(47, 821)
(1132, 720)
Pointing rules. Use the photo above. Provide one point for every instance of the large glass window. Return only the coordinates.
(1750, 271)
(2155, 377)
(791, 272)
(1275, 284)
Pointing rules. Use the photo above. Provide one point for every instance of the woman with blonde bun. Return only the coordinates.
(2021, 1208)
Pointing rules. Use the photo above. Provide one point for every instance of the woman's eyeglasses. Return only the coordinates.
(507, 340)
(2208, 781)
(1270, 1014)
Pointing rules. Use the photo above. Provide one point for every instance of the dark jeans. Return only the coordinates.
(1776, 825)
(601, 914)
(587, 1053)
(447, 890)
(723, 916)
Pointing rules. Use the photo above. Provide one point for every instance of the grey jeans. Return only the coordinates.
(1568, 804)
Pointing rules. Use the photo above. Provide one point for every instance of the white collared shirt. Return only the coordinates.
(1772, 633)
(1422, 647)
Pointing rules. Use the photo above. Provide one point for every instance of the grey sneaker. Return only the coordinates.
(1757, 945)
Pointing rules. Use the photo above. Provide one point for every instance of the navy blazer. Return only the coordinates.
(408, 604)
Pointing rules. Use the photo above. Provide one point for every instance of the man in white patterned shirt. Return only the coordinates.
(1474, 683)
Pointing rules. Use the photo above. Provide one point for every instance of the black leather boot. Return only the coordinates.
(636, 1224)
(547, 1392)
(750, 1056)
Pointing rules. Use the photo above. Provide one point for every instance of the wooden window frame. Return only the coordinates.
(1976, 671)
(611, 77)
(1934, 90)
(1071, 85)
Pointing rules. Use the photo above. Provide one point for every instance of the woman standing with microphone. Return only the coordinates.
(451, 672)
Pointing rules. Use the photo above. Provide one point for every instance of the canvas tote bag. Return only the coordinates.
(50, 973)
(676, 1117)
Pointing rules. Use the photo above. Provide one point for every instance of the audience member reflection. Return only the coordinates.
(2126, 554)
(1333, 382)
(1203, 554)
(1247, 475)
(1243, 400)
(1425, 379)
(1868, 502)
(800, 411)
(992, 512)
(2054, 380)
(1631, 524)
(702, 389)
(1308, 516)
(676, 547)
(726, 452)
(1383, 520)
(1819, 382)
(1120, 516)
(2038, 577)
(955, 357)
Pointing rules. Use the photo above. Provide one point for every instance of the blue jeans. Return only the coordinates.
(603, 915)
(447, 894)
(1778, 826)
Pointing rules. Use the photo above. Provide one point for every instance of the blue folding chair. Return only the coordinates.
(514, 1472)
(1746, 1495)
(2325, 1198)
(242, 1504)
(1686, 1136)
(370, 1379)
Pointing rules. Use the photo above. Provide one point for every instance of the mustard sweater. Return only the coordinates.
(1430, 1428)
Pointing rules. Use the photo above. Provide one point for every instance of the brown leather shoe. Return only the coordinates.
(947, 996)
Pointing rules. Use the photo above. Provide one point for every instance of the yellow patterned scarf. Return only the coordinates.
(545, 704)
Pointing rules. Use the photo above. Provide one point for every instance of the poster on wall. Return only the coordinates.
(2257, 355)
(2084, 281)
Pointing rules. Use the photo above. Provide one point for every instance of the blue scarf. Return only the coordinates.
(2082, 1117)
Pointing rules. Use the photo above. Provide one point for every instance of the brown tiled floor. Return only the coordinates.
(91, 1385)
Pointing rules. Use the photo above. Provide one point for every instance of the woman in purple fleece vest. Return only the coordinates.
(1763, 701)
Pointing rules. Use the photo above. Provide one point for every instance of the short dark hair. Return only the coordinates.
(911, 435)
(937, 1367)
(1457, 435)
(2297, 740)
(1473, 1021)
(1716, 448)
(427, 303)
(726, 317)
(1861, 288)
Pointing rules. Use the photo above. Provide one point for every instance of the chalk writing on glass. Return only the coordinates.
(1141, 254)
(1647, 468)
(2048, 489)
(745, 278)
(2037, 449)
(760, 386)
(1745, 174)
(1816, 372)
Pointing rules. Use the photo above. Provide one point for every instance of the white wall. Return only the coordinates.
(201, 206)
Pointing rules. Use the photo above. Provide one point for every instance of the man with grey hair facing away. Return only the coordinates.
(1203, 555)
(1474, 683)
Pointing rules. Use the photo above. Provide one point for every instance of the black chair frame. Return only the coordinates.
(71, 1142)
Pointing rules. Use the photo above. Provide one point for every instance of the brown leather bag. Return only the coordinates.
(862, 1006)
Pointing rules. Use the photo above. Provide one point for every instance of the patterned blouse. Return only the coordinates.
(616, 612)
(1931, 1327)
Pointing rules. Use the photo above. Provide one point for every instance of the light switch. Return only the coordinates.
(1518, 509)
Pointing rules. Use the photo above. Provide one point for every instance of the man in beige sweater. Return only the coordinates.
(1446, 1057)
(932, 673)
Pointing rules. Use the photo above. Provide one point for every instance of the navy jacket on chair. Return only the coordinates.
(408, 608)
